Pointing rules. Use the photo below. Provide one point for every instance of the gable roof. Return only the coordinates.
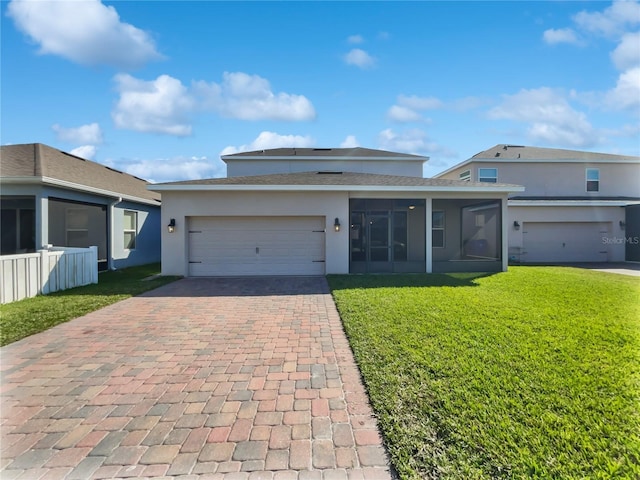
(332, 181)
(35, 161)
(524, 153)
(356, 153)
(504, 153)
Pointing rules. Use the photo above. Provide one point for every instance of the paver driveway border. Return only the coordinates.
(234, 378)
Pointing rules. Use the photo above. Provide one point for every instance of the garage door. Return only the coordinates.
(556, 242)
(220, 246)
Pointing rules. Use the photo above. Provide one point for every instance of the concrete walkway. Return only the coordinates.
(236, 378)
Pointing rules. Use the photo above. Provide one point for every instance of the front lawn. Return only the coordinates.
(532, 373)
(34, 315)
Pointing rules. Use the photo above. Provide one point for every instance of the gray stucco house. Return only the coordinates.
(50, 197)
(316, 211)
(577, 206)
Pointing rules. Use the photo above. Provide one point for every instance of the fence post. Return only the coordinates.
(94, 264)
(44, 271)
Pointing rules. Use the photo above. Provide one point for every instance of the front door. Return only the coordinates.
(371, 241)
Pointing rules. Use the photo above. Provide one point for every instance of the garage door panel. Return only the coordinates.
(256, 246)
(564, 242)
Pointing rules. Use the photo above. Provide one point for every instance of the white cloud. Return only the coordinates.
(249, 97)
(87, 152)
(158, 106)
(171, 169)
(561, 35)
(413, 141)
(401, 114)
(626, 94)
(550, 117)
(359, 58)
(355, 39)
(627, 53)
(90, 133)
(612, 21)
(419, 103)
(384, 36)
(349, 142)
(408, 108)
(267, 140)
(85, 32)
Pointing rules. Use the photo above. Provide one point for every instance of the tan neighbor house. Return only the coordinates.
(308, 211)
(577, 206)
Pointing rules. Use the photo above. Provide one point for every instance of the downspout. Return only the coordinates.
(112, 237)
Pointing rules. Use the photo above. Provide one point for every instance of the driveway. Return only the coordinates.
(235, 378)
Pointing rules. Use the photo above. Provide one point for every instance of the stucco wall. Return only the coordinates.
(181, 205)
(238, 168)
(611, 215)
(561, 179)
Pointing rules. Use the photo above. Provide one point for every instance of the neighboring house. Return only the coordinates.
(50, 197)
(576, 207)
(310, 211)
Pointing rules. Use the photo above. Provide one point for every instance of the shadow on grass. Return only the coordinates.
(339, 282)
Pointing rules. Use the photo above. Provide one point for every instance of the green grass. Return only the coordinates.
(532, 373)
(34, 315)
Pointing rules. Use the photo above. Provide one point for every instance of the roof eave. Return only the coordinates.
(75, 186)
(335, 188)
(572, 203)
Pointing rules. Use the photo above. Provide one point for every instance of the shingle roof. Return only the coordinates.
(347, 153)
(332, 179)
(503, 151)
(38, 160)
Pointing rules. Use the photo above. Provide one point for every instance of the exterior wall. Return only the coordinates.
(611, 215)
(181, 205)
(147, 237)
(148, 222)
(239, 168)
(556, 179)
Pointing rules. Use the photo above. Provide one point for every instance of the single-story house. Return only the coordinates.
(577, 206)
(311, 211)
(50, 197)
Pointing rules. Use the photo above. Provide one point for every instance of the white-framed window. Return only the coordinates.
(130, 229)
(593, 179)
(465, 176)
(489, 175)
(77, 227)
(437, 229)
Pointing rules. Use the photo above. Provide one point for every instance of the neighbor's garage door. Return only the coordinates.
(556, 242)
(220, 246)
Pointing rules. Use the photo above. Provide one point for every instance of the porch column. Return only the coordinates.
(429, 238)
(505, 230)
(42, 220)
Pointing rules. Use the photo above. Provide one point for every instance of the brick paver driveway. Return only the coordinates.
(236, 378)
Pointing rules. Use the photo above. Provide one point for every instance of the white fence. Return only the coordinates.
(46, 271)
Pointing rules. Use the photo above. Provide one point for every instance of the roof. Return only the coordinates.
(335, 181)
(521, 152)
(35, 161)
(356, 153)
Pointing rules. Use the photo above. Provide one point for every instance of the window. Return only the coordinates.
(465, 176)
(130, 228)
(489, 175)
(593, 179)
(437, 229)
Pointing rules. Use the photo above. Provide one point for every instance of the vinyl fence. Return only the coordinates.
(46, 271)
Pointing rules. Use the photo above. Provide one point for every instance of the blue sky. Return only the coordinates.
(162, 89)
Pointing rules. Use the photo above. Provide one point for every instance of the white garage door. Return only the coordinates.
(556, 242)
(220, 246)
